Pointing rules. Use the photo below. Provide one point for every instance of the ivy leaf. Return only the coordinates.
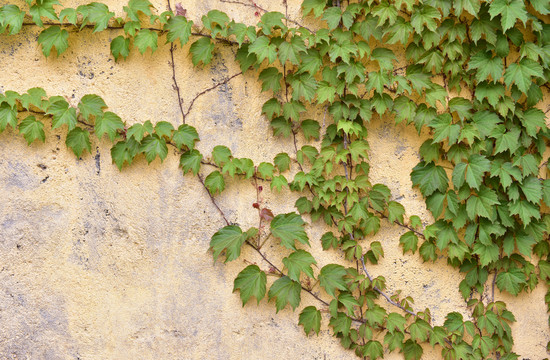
(12, 16)
(430, 178)
(43, 8)
(471, 6)
(385, 12)
(98, 14)
(282, 162)
(8, 116)
(215, 182)
(278, 182)
(201, 51)
(385, 57)
(332, 16)
(136, 6)
(331, 278)
(229, 239)
(178, 27)
(486, 65)
(289, 228)
(303, 86)
(271, 79)
(375, 315)
(292, 50)
(522, 72)
(311, 129)
(148, 39)
(251, 282)
(394, 340)
(510, 11)
(412, 350)
(191, 161)
(473, 171)
(424, 16)
(358, 149)
(120, 46)
(91, 105)
(63, 114)
(419, 330)
(292, 110)
(221, 155)
(108, 123)
(506, 139)
(185, 135)
(395, 212)
(137, 131)
(263, 49)
(511, 281)
(164, 128)
(124, 151)
(311, 62)
(271, 108)
(310, 319)
(78, 140)
(32, 129)
(532, 189)
(285, 291)
(53, 37)
(153, 146)
(373, 349)
(483, 204)
(444, 129)
(531, 120)
(505, 171)
(299, 261)
(409, 241)
(525, 210)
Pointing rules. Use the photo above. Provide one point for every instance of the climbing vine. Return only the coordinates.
(471, 73)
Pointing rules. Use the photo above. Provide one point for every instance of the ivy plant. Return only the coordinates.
(473, 74)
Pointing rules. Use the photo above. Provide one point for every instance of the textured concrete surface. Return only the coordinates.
(101, 264)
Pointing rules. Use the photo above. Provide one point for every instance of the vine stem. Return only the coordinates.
(173, 66)
(208, 90)
(384, 294)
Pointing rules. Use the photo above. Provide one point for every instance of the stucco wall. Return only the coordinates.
(101, 264)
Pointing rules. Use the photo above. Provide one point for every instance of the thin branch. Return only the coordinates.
(213, 201)
(173, 65)
(383, 294)
(493, 286)
(259, 8)
(208, 90)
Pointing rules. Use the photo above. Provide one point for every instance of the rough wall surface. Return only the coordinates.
(101, 264)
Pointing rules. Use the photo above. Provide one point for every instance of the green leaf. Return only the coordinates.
(135, 6)
(506, 139)
(229, 239)
(317, 6)
(511, 281)
(108, 123)
(282, 162)
(395, 212)
(53, 37)
(311, 62)
(263, 49)
(471, 6)
(221, 155)
(461, 106)
(153, 146)
(214, 182)
(98, 14)
(124, 151)
(419, 330)
(191, 161)
(310, 319)
(395, 322)
(68, 14)
(43, 8)
(164, 128)
(271, 79)
(521, 73)
(412, 350)
(299, 261)
(429, 178)
(505, 171)
(271, 108)
(532, 189)
(32, 129)
(341, 323)
(185, 135)
(525, 210)
(292, 110)
(63, 114)
(292, 50)
(358, 149)
(531, 120)
(78, 140)
(311, 129)
(12, 16)
(278, 182)
(303, 86)
(385, 12)
(424, 16)
(385, 57)
(137, 131)
(444, 129)
(483, 204)
(510, 11)
(272, 20)
(427, 251)
(394, 340)
(473, 171)
(91, 105)
(289, 228)
(331, 278)
(201, 51)
(409, 240)
(178, 28)
(266, 170)
(285, 291)
(373, 349)
(148, 39)
(251, 282)
(120, 46)
(332, 16)
(486, 65)
(8, 116)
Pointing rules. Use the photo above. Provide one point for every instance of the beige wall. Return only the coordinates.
(101, 264)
